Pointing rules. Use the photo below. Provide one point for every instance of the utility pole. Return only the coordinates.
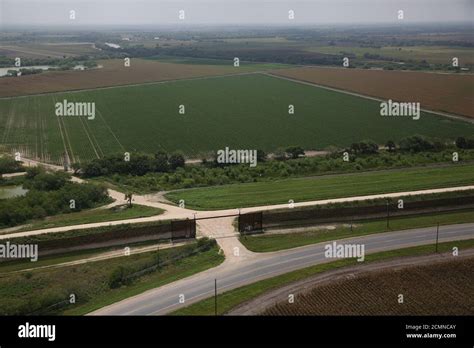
(158, 257)
(388, 215)
(437, 234)
(66, 162)
(239, 223)
(215, 297)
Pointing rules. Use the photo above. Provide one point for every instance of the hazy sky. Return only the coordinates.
(162, 12)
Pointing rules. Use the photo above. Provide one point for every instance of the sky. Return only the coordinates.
(243, 12)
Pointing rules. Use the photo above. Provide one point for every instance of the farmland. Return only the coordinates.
(220, 62)
(52, 50)
(323, 187)
(114, 73)
(451, 93)
(440, 289)
(241, 112)
(432, 54)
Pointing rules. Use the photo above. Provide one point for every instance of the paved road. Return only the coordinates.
(255, 267)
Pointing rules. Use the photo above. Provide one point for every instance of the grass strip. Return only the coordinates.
(323, 187)
(275, 242)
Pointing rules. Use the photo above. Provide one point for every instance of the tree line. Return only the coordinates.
(283, 163)
(49, 194)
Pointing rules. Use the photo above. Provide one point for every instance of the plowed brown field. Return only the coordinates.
(441, 289)
(449, 93)
(113, 73)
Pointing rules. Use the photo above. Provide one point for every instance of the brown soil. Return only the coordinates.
(441, 289)
(113, 73)
(434, 284)
(451, 93)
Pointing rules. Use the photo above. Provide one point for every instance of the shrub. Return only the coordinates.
(117, 277)
(416, 143)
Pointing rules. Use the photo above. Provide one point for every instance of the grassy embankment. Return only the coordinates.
(323, 187)
(91, 216)
(101, 283)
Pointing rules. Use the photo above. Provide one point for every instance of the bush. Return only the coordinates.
(137, 165)
(464, 143)
(367, 147)
(205, 244)
(9, 165)
(295, 151)
(416, 143)
(117, 277)
(176, 160)
(44, 181)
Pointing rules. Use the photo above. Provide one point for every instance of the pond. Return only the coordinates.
(112, 45)
(12, 191)
(4, 71)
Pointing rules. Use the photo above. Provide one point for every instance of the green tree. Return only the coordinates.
(416, 143)
(390, 145)
(76, 167)
(9, 165)
(294, 151)
(261, 156)
(161, 162)
(176, 160)
(128, 198)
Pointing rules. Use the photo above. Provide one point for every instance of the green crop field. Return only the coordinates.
(324, 187)
(242, 112)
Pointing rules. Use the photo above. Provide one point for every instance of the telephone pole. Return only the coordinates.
(215, 297)
(437, 235)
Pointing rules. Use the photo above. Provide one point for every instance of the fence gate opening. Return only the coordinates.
(251, 222)
(183, 229)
